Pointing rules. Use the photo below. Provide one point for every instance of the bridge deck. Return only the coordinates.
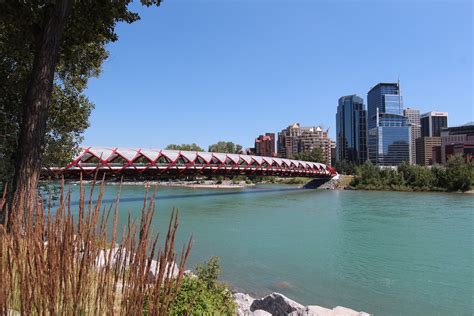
(171, 162)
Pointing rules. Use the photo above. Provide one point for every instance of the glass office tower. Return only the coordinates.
(389, 140)
(351, 129)
(432, 123)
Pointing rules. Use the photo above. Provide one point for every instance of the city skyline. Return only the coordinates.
(256, 68)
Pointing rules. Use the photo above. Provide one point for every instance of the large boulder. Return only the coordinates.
(344, 311)
(314, 310)
(278, 304)
(103, 257)
(116, 254)
(172, 269)
(243, 302)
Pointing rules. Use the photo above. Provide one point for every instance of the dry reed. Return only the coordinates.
(55, 263)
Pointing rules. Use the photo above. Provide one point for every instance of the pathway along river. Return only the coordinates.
(386, 253)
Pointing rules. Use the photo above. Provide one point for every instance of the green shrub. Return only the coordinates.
(204, 294)
(239, 178)
(456, 176)
(459, 175)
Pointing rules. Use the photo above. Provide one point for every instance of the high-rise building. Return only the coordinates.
(265, 145)
(432, 123)
(333, 153)
(351, 129)
(296, 139)
(424, 150)
(414, 119)
(457, 140)
(389, 136)
(287, 144)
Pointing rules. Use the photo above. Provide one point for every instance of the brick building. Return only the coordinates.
(296, 139)
(265, 145)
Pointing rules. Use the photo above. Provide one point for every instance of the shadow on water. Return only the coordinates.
(195, 195)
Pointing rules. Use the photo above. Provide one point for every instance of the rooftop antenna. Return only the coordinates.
(400, 106)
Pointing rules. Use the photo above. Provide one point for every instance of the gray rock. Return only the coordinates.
(103, 257)
(243, 302)
(344, 311)
(173, 269)
(315, 310)
(278, 304)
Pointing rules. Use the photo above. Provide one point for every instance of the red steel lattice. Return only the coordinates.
(171, 162)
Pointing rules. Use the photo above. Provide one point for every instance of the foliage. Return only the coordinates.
(88, 31)
(416, 176)
(292, 180)
(345, 167)
(204, 295)
(68, 119)
(209, 272)
(226, 147)
(57, 264)
(439, 173)
(457, 175)
(315, 155)
(273, 179)
(188, 147)
(240, 178)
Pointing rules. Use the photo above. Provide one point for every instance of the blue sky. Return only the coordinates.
(204, 71)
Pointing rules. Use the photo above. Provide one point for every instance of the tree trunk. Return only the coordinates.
(35, 112)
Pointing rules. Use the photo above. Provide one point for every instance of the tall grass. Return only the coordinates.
(54, 263)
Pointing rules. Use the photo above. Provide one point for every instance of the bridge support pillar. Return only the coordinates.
(323, 183)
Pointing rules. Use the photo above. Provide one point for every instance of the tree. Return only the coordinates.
(188, 147)
(315, 155)
(51, 48)
(439, 173)
(225, 147)
(367, 174)
(417, 176)
(459, 174)
(344, 167)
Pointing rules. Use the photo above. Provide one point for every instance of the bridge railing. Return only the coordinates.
(163, 161)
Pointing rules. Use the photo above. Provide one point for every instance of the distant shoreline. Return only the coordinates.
(200, 184)
(208, 184)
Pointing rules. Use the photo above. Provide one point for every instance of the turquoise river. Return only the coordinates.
(386, 253)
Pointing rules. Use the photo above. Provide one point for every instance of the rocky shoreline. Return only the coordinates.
(279, 304)
(273, 304)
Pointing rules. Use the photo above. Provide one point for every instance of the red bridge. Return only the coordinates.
(172, 163)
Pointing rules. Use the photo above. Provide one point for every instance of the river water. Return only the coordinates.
(386, 253)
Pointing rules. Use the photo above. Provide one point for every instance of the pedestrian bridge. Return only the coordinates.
(173, 163)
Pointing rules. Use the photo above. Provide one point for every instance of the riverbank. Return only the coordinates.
(279, 304)
(202, 285)
(202, 184)
(238, 182)
(403, 189)
(456, 176)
